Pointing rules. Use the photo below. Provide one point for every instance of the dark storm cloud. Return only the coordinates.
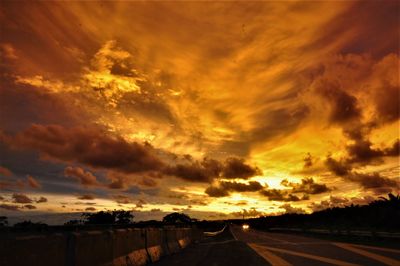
(343, 106)
(147, 182)
(41, 200)
(196, 171)
(339, 168)
(216, 192)
(252, 212)
(224, 188)
(394, 150)
(209, 169)
(21, 198)
(32, 182)
(86, 178)
(5, 171)
(88, 146)
(308, 161)
(373, 181)
(122, 199)
(368, 181)
(290, 209)
(237, 168)
(149, 105)
(362, 37)
(10, 207)
(307, 186)
(251, 186)
(282, 195)
(29, 105)
(86, 197)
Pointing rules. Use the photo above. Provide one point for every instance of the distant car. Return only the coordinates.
(245, 226)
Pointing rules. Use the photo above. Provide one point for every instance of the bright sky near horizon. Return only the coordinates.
(207, 108)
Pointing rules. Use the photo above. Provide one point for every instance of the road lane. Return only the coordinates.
(236, 247)
(215, 250)
(288, 249)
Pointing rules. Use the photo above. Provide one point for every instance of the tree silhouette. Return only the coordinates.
(381, 214)
(3, 221)
(31, 225)
(177, 217)
(108, 217)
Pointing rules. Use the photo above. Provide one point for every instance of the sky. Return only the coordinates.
(214, 109)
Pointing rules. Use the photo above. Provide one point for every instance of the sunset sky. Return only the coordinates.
(211, 109)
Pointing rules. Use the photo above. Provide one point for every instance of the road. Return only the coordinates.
(235, 246)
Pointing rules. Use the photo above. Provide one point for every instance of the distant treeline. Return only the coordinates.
(382, 214)
(112, 219)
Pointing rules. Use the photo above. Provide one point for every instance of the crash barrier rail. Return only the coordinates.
(119, 247)
(214, 233)
(343, 232)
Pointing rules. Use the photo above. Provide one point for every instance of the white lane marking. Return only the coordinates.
(313, 257)
(230, 229)
(273, 259)
(214, 233)
(380, 258)
(263, 235)
(216, 243)
(377, 248)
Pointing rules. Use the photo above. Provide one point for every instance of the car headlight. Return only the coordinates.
(245, 226)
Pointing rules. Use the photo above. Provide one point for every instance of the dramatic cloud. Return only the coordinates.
(336, 201)
(41, 200)
(282, 195)
(86, 178)
(250, 213)
(224, 188)
(307, 186)
(86, 197)
(10, 207)
(372, 181)
(308, 161)
(5, 172)
(267, 90)
(32, 182)
(122, 199)
(216, 192)
(290, 209)
(21, 198)
(237, 168)
(92, 147)
(208, 169)
(140, 203)
(30, 207)
(203, 171)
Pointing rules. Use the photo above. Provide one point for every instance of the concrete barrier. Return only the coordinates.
(33, 250)
(92, 248)
(171, 240)
(183, 237)
(156, 244)
(129, 247)
(119, 247)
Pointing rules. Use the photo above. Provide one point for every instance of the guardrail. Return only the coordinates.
(343, 232)
(119, 247)
(214, 233)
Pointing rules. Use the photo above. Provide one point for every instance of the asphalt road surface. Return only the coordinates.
(235, 246)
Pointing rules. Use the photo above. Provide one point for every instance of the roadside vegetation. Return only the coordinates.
(382, 214)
